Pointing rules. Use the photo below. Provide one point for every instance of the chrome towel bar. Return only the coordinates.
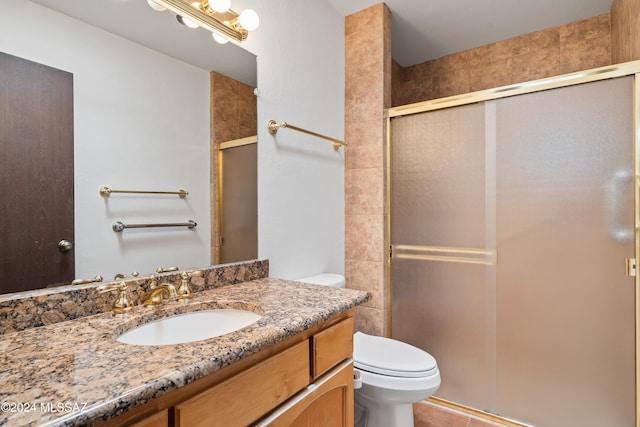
(119, 226)
(106, 192)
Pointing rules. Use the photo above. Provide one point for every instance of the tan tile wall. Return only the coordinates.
(234, 111)
(572, 47)
(373, 81)
(372, 77)
(367, 94)
(625, 34)
(234, 115)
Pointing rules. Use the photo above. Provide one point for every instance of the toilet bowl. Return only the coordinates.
(394, 374)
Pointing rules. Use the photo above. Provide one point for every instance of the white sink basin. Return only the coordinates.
(189, 327)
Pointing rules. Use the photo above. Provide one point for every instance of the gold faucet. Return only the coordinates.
(123, 303)
(155, 292)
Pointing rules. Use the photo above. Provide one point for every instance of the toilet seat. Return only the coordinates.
(386, 356)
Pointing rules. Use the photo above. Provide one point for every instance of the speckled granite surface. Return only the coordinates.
(30, 309)
(74, 373)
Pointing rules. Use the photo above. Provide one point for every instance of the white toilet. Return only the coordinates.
(394, 374)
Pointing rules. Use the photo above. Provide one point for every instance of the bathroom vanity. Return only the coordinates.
(307, 380)
(291, 366)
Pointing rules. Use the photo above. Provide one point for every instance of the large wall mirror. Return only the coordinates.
(142, 97)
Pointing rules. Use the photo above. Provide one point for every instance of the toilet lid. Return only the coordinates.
(387, 356)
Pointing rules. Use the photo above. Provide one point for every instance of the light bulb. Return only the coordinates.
(220, 5)
(249, 20)
(156, 6)
(219, 38)
(186, 21)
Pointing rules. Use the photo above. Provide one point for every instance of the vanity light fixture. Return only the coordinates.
(186, 22)
(213, 15)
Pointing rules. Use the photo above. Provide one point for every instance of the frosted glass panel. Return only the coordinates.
(440, 307)
(438, 200)
(239, 224)
(438, 178)
(565, 219)
(545, 336)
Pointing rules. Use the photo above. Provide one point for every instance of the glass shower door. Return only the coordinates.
(239, 203)
(442, 270)
(511, 223)
(565, 318)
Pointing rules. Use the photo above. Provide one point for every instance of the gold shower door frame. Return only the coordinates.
(481, 256)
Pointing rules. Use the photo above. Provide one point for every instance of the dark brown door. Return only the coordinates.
(36, 175)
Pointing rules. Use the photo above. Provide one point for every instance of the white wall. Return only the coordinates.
(300, 49)
(135, 128)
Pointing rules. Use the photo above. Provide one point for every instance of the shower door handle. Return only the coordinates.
(614, 212)
(445, 254)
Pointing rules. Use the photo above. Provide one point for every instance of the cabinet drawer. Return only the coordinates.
(332, 346)
(246, 397)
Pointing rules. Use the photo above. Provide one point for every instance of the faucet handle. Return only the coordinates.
(121, 276)
(184, 291)
(123, 303)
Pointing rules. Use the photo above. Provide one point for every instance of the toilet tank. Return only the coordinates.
(326, 279)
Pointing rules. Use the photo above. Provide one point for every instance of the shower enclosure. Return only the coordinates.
(513, 219)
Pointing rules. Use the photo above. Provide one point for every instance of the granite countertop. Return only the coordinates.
(75, 373)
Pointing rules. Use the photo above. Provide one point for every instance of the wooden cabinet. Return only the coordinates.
(160, 419)
(304, 381)
(246, 397)
(330, 346)
(327, 402)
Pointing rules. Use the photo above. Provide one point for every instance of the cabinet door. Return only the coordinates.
(161, 419)
(327, 402)
(246, 397)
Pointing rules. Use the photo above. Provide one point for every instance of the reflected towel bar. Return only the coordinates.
(273, 127)
(119, 226)
(96, 279)
(106, 192)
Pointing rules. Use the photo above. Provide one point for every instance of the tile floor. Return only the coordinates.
(427, 414)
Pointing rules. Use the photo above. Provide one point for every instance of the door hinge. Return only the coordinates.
(631, 267)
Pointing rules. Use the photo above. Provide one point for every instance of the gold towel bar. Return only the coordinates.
(119, 226)
(96, 279)
(106, 192)
(273, 127)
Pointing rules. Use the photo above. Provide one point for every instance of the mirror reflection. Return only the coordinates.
(141, 119)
